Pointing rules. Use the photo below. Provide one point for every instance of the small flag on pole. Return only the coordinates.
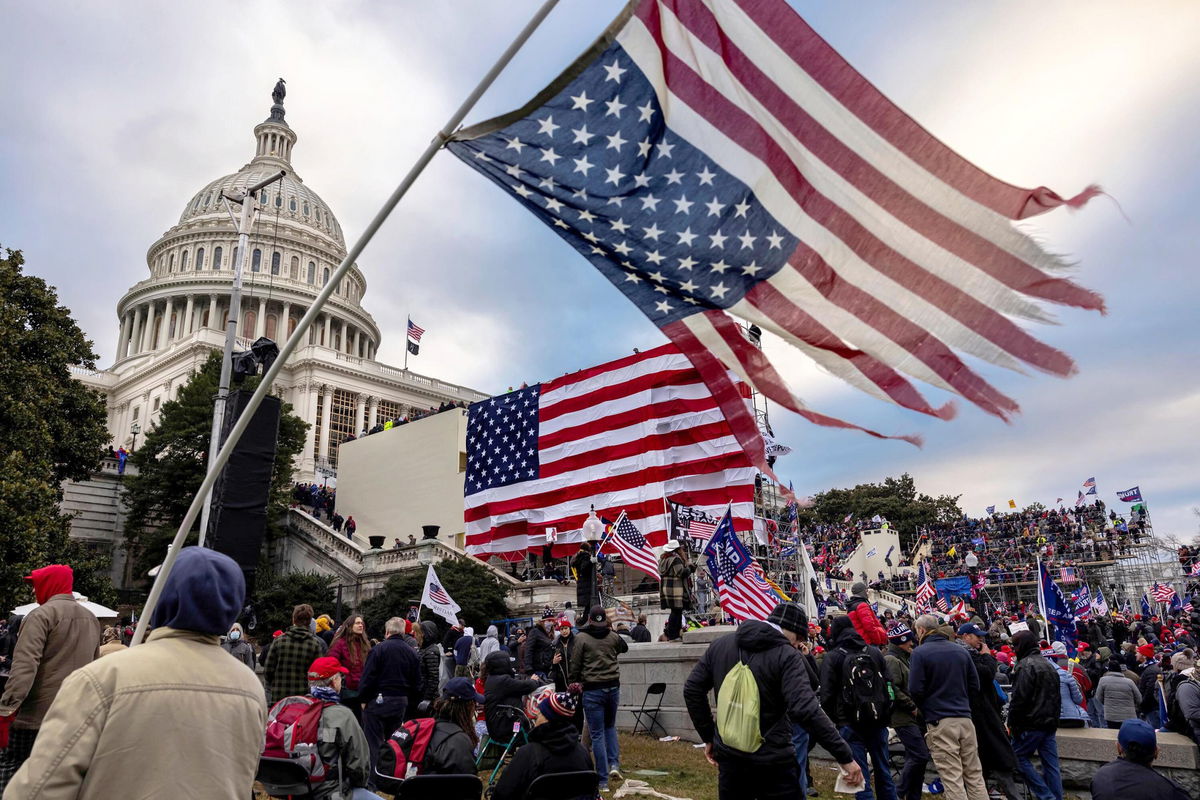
(737, 577)
(991, 509)
(1133, 495)
(437, 599)
(1012, 503)
(415, 332)
(633, 547)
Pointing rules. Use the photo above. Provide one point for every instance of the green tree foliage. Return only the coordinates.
(276, 595)
(172, 461)
(470, 584)
(52, 428)
(896, 499)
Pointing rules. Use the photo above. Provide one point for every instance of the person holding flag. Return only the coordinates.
(675, 586)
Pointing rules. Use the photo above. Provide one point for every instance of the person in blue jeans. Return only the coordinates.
(867, 740)
(594, 666)
(1033, 714)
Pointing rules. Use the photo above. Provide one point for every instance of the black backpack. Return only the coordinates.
(1175, 720)
(866, 698)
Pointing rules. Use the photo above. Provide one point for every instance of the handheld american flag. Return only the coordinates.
(718, 159)
(1162, 592)
(437, 599)
(743, 592)
(633, 547)
(925, 590)
(621, 435)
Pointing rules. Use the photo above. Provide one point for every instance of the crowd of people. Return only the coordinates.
(197, 694)
(971, 697)
(322, 499)
(404, 419)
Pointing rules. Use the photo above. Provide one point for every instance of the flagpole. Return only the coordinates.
(217, 464)
(407, 328)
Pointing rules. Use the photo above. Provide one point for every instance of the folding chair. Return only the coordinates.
(583, 785)
(514, 720)
(658, 689)
(283, 772)
(440, 787)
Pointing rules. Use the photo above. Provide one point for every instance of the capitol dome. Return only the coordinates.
(295, 245)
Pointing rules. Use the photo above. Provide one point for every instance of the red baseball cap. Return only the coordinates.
(1081, 646)
(324, 668)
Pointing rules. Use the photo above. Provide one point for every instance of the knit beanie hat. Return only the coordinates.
(558, 707)
(859, 589)
(1147, 650)
(900, 633)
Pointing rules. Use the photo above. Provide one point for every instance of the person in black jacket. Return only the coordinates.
(996, 756)
(1131, 776)
(391, 678)
(451, 748)
(553, 747)
(503, 688)
(1033, 717)
(430, 656)
(584, 564)
(639, 632)
(866, 740)
(785, 696)
(539, 647)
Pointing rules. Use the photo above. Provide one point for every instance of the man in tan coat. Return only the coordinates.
(173, 717)
(57, 637)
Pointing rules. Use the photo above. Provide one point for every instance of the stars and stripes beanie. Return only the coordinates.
(559, 706)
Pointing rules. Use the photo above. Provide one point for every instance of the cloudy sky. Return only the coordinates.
(116, 114)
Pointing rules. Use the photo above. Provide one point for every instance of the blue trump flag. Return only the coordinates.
(1145, 606)
(1056, 607)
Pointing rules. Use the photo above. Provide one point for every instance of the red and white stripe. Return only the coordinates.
(743, 599)
(622, 436)
(908, 255)
(641, 558)
(701, 531)
(415, 331)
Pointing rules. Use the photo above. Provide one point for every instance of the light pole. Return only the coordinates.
(243, 225)
(135, 429)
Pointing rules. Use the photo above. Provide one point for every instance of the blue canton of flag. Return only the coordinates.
(502, 440)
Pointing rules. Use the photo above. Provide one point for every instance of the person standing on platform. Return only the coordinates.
(675, 586)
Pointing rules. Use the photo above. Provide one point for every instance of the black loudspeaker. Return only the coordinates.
(237, 519)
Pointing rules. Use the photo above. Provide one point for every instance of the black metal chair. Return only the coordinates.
(643, 713)
(282, 772)
(582, 785)
(441, 787)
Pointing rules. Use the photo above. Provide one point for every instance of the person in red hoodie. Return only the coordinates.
(866, 622)
(57, 638)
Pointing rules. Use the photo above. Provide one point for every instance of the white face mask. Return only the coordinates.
(235, 635)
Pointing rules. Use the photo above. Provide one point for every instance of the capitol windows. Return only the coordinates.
(275, 258)
(183, 259)
(306, 209)
(199, 259)
(171, 263)
(292, 204)
(325, 276)
(294, 272)
(256, 260)
(249, 321)
(217, 257)
(312, 272)
(272, 325)
(233, 263)
(262, 197)
(279, 200)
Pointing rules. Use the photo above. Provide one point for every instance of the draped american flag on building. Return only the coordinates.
(742, 591)
(718, 159)
(622, 435)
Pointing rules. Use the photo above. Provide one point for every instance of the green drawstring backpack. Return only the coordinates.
(738, 709)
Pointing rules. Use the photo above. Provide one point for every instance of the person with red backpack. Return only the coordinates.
(443, 744)
(320, 733)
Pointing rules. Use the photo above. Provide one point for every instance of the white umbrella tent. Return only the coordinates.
(100, 612)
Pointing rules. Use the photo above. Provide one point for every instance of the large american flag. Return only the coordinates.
(621, 435)
(718, 159)
(633, 547)
(743, 592)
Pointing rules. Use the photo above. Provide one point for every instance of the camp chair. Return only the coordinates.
(489, 749)
(658, 689)
(282, 772)
(564, 786)
(440, 787)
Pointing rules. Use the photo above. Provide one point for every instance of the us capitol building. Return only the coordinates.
(171, 321)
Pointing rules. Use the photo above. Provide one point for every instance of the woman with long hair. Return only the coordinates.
(452, 747)
(350, 647)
